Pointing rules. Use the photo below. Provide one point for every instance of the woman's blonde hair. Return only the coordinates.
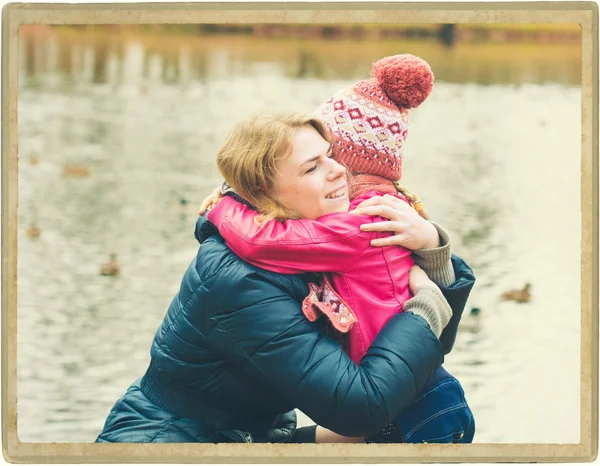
(248, 158)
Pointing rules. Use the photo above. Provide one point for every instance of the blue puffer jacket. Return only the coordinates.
(235, 355)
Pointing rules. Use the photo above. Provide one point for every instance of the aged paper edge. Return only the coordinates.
(583, 13)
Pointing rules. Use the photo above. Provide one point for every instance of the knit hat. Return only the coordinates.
(369, 120)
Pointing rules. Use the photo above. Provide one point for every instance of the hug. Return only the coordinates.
(319, 284)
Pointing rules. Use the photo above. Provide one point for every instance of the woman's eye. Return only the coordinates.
(312, 169)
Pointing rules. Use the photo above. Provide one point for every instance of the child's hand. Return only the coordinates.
(417, 278)
(410, 229)
(210, 201)
(259, 220)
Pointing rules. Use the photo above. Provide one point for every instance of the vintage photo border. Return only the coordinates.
(583, 13)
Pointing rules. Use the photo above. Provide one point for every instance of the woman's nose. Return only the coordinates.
(336, 169)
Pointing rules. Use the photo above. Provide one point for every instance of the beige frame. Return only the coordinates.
(583, 13)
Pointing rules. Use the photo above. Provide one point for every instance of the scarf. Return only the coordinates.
(360, 184)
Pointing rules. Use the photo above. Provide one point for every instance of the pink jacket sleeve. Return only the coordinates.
(330, 244)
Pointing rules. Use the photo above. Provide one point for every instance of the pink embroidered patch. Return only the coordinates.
(329, 303)
(310, 300)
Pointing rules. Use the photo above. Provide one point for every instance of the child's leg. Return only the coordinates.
(439, 414)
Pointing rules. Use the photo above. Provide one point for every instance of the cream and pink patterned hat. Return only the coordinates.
(369, 120)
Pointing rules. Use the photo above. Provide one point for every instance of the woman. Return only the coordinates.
(235, 355)
(364, 286)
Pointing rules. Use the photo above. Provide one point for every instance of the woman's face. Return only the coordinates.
(309, 181)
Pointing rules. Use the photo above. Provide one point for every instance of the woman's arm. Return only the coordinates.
(260, 329)
(330, 244)
(429, 303)
(410, 229)
(429, 242)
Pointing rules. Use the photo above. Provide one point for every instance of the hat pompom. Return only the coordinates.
(407, 80)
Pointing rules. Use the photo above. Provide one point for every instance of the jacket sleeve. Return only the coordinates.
(260, 328)
(456, 294)
(330, 244)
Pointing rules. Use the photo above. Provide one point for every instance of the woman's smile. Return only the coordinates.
(340, 193)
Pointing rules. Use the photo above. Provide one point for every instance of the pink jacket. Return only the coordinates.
(373, 281)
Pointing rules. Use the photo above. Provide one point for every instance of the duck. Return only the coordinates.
(183, 201)
(112, 267)
(183, 204)
(76, 170)
(471, 322)
(33, 231)
(520, 296)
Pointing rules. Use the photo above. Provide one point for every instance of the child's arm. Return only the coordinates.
(330, 244)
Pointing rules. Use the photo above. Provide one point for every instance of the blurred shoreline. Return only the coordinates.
(487, 54)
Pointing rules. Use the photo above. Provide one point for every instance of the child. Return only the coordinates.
(363, 286)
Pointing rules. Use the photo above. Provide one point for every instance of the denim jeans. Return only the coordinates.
(439, 414)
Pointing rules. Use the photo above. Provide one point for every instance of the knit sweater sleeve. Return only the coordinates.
(330, 244)
(436, 262)
(429, 303)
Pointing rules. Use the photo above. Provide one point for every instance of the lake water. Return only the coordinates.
(494, 153)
